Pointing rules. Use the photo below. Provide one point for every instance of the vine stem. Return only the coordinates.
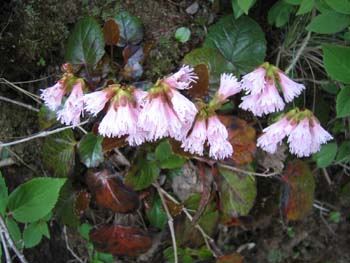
(4, 231)
(170, 221)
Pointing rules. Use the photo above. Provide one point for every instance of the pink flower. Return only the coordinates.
(300, 139)
(290, 88)
(53, 96)
(274, 134)
(254, 82)
(319, 136)
(159, 120)
(73, 107)
(266, 102)
(139, 96)
(195, 142)
(220, 147)
(228, 86)
(96, 101)
(182, 79)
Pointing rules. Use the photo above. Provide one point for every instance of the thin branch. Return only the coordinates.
(299, 52)
(28, 81)
(170, 221)
(10, 242)
(29, 107)
(4, 247)
(29, 94)
(41, 134)
(68, 246)
(7, 162)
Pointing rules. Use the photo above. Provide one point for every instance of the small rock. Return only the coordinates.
(192, 9)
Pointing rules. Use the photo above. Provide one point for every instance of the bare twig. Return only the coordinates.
(29, 94)
(11, 245)
(29, 107)
(328, 179)
(4, 247)
(41, 134)
(6, 162)
(68, 246)
(170, 221)
(28, 81)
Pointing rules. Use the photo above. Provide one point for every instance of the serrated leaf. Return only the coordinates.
(241, 42)
(212, 58)
(343, 102)
(111, 32)
(34, 199)
(131, 31)
(326, 155)
(85, 43)
(34, 232)
(58, 153)
(167, 159)
(343, 155)
(336, 60)
(341, 6)
(3, 195)
(183, 34)
(298, 194)
(90, 150)
(14, 231)
(156, 215)
(306, 6)
(328, 23)
(238, 193)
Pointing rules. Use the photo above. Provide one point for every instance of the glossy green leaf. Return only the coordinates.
(167, 159)
(84, 230)
(279, 13)
(331, 88)
(90, 150)
(326, 155)
(142, 175)
(322, 6)
(245, 5)
(237, 10)
(238, 193)
(131, 30)
(215, 62)
(336, 60)
(343, 102)
(293, 2)
(183, 34)
(3, 195)
(241, 42)
(34, 199)
(14, 231)
(85, 43)
(341, 6)
(59, 153)
(343, 155)
(156, 215)
(329, 23)
(306, 6)
(34, 232)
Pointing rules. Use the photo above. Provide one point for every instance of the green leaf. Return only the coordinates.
(105, 258)
(293, 2)
(84, 230)
(131, 30)
(306, 6)
(334, 217)
(182, 34)
(328, 23)
(245, 5)
(46, 117)
(238, 193)
(326, 155)
(279, 13)
(341, 6)
(156, 215)
(215, 62)
(34, 232)
(343, 102)
(34, 199)
(331, 88)
(183, 255)
(166, 157)
(90, 150)
(142, 175)
(242, 42)
(58, 153)
(85, 43)
(3, 195)
(336, 60)
(343, 155)
(237, 10)
(322, 6)
(14, 231)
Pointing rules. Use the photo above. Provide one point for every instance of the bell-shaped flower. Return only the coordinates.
(182, 79)
(53, 96)
(96, 101)
(194, 143)
(74, 105)
(229, 86)
(254, 82)
(290, 88)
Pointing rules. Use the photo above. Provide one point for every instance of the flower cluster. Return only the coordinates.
(163, 111)
(304, 132)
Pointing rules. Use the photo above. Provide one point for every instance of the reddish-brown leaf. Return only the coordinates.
(200, 87)
(120, 240)
(82, 201)
(109, 144)
(298, 194)
(111, 193)
(178, 150)
(243, 139)
(111, 32)
(233, 258)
